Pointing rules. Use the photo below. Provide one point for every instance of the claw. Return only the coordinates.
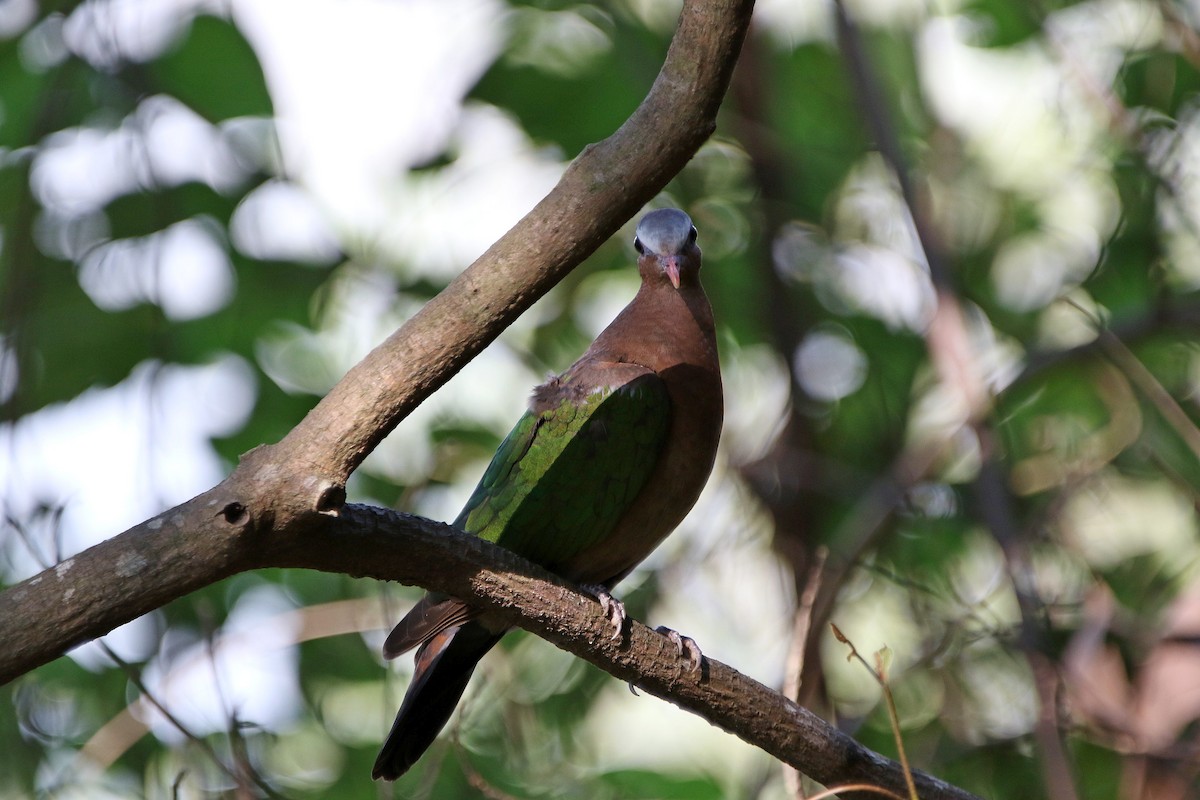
(685, 645)
(613, 608)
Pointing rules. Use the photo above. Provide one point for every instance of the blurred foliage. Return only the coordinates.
(1055, 144)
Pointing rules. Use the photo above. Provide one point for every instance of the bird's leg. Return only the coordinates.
(686, 646)
(613, 608)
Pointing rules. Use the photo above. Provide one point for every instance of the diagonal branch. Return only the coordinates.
(601, 189)
(607, 183)
(363, 541)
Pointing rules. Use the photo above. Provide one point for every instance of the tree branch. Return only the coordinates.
(601, 189)
(279, 489)
(284, 504)
(168, 556)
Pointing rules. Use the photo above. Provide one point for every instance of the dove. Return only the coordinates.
(608, 459)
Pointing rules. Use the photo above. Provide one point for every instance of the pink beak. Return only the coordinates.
(671, 266)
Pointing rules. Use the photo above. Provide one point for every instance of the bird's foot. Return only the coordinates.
(613, 608)
(685, 645)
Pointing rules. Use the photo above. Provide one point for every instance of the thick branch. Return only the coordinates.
(194, 545)
(600, 190)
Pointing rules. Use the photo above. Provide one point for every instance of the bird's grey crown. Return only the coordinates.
(664, 232)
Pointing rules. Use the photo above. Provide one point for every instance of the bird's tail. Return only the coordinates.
(443, 666)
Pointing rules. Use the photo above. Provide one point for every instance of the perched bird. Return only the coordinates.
(606, 462)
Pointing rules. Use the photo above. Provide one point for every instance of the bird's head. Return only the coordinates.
(666, 245)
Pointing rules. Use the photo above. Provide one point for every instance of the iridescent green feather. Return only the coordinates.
(562, 479)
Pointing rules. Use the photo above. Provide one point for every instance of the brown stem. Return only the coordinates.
(604, 186)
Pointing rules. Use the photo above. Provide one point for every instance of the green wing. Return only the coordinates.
(562, 479)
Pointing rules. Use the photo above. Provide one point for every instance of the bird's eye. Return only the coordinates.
(692, 235)
(637, 245)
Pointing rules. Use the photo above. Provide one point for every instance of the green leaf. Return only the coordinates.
(215, 72)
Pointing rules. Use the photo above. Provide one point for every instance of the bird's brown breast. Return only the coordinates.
(671, 333)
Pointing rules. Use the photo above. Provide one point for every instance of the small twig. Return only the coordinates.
(473, 776)
(235, 774)
(480, 783)
(803, 624)
(998, 515)
(27, 538)
(879, 122)
(880, 676)
(1125, 360)
(321, 621)
(1153, 390)
(795, 661)
(132, 674)
(865, 523)
(1176, 317)
(246, 774)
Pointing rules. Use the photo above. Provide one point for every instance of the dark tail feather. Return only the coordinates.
(443, 666)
